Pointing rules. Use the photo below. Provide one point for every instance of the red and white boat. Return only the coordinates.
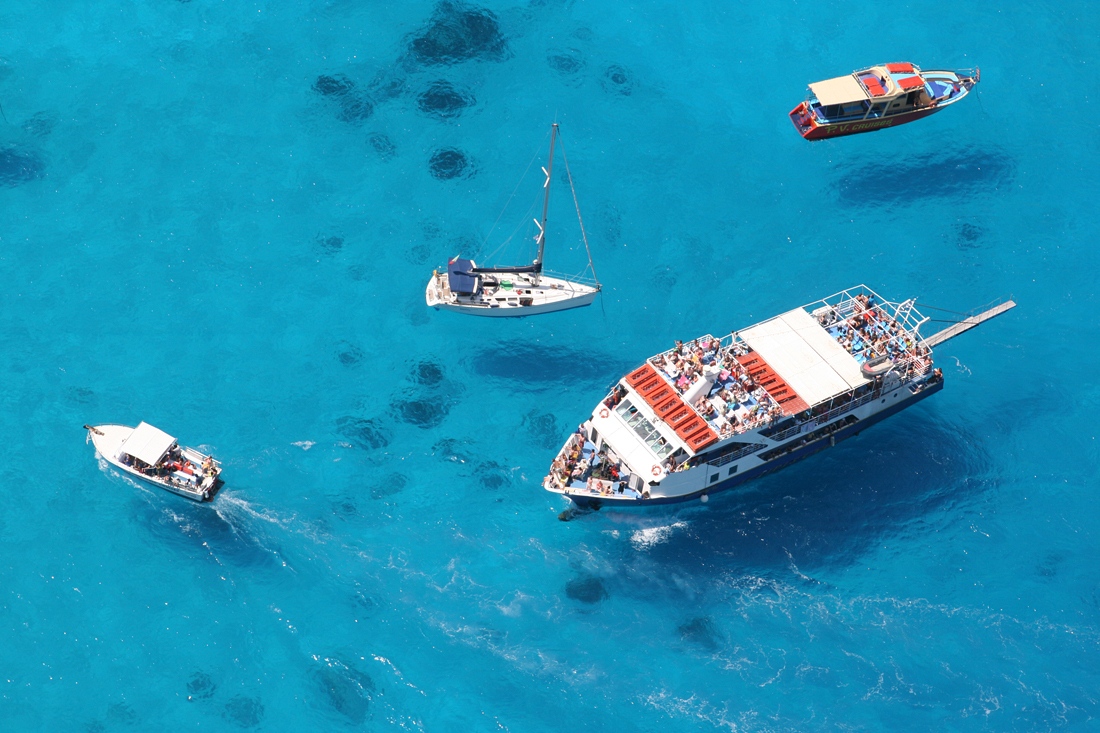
(881, 96)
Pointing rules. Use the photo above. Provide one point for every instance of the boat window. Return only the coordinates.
(644, 429)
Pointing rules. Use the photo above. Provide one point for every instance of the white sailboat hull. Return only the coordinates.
(525, 298)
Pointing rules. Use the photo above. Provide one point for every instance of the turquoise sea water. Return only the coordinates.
(220, 217)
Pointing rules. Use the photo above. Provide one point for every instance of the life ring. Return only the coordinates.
(604, 412)
(656, 470)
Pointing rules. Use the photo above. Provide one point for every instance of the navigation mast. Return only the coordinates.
(541, 238)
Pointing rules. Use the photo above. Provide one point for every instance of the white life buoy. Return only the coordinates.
(656, 470)
(604, 412)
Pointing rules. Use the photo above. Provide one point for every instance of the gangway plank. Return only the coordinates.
(968, 323)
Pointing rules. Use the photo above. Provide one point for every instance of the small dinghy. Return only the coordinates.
(516, 291)
(153, 456)
(877, 97)
(876, 367)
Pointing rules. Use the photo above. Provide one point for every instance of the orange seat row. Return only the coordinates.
(772, 383)
(670, 407)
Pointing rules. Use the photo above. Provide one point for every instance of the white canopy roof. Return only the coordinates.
(147, 443)
(805, 356)
(839, 90)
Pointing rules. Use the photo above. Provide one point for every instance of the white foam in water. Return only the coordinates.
(643, 539)
(304, 444)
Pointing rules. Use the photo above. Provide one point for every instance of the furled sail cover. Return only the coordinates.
(147, 443)
(459, 277)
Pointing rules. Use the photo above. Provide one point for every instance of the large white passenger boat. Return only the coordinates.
(153, 456)
(714, 413)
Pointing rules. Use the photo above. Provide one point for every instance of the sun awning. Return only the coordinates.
(147, 444)
(803, 353)
(840, 90)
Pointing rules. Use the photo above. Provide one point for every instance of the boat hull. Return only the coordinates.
(818, 131)
(596, 502)
(110, 438)
(549, 296)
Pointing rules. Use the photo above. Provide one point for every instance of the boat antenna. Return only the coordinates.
(541, 238)
(577, 205)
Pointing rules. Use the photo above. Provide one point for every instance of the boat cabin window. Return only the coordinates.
(878, 109)
(644, 429)
(850, 109)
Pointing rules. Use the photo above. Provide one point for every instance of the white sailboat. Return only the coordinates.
(514, 292)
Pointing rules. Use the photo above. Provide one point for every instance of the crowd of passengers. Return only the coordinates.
(172, 467)
(734, 403)
(580, 461)
(870, 332)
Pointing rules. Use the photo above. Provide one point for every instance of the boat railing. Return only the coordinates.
(581, 279)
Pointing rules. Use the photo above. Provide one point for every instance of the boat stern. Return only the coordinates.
(803, 120)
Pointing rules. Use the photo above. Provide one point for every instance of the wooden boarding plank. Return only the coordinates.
(968, 323)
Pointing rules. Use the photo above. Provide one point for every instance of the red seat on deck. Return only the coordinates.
(873, 86)
(903, 68)
(642, 374)
(911, 82)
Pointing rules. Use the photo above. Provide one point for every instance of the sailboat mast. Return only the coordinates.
(546, 201)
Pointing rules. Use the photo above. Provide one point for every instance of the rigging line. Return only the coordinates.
(980, 309)
(523, 221)
(519, 183)
(577, 204)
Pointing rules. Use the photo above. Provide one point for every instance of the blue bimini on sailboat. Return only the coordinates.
(513, 292)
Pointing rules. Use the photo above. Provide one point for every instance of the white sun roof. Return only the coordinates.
(147, 443)
(805, 356)
(840, 90)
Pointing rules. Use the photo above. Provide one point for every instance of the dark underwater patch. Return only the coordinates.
(444, 101)
(492, 476)
(427, 373)
(355, 109)
(363, 433)
(19, 166)
(568, 62)
(201, 686)
(247, 712)
(458, 32)
(700, 631)
(423, 413)
(617, 80)
(336, 85)
(40, 125)
(329, 245)
(349, 354)
(543, 429)
(448, 163)
(345, 689)
(587, 589)
(952, 174)
(536, 366)
(454, 450)
(968, 236)
(382, 145)
(392, 484)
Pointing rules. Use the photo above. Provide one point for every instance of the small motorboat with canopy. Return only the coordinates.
(881, 96)
(517, 291)
(153, 456)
